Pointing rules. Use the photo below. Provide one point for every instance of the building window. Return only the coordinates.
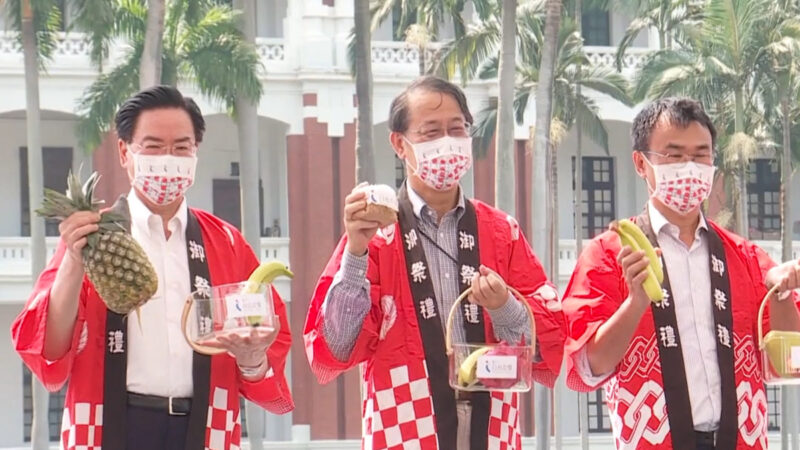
(598, 194)
(269, 18)
(773, 408)
(596, 27)
(55, 408)
(56, 164)
(227, 205)
(764, 199)
(598, 413)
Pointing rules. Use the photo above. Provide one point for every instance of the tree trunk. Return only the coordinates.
(504, 180)
(786, 175)
(544, 106)
(740, 208)
(40, 427)
(422, 60)
(577, 202)
(150, 65)
(365, 153)
(249, 176)
(552, 184)
(788, 405)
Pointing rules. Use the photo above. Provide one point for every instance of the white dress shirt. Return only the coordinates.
(690, 281)
(159, 359)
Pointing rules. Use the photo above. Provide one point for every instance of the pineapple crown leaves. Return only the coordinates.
(81, 198)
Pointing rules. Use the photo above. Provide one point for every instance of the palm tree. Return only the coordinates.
(202, 44)
(571, 106)
(505, 187)
(780, 64)
(35, 23)
(419, 23)
(150, 63)
(249, 177)
(672, 20)
(40, 430)
(365, 153)
(544, 108)
(719, 65)
(490, 47)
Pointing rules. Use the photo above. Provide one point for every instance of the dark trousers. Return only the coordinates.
(704, 440)
(151, 429)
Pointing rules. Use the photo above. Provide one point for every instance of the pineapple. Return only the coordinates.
(114, 262)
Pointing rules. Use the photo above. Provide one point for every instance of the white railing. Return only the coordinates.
(67, 44)
(606, 57)
(275, 248)
(270, 49)
(394, 52)
(398, 56)
(72, 50)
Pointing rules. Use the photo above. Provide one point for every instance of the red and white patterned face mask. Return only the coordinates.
(442, 162)
(682, 187)
(163, 178)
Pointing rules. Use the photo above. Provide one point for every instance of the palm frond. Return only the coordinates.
(46, 23)
(465, 55)
(607, 82)
(95, 18)
(586, 112)
(215, 56)
(484, 130)
(636, 26)
(102, 98)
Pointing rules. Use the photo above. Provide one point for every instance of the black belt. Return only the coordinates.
(463, 396)
(173, 406)
(704, 438)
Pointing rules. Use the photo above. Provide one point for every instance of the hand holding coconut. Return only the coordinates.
(367, 208)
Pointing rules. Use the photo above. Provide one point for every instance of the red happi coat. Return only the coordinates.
(634, 392)
(230, 260)
(397, 406)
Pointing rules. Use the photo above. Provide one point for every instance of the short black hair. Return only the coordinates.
(157, 97)
(398, 111)
(680, 111)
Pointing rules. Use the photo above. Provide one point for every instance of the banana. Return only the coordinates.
(632, 230)
(264, 274)
(467, 372)
(651, 285)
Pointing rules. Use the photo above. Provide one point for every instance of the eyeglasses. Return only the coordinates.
(433, 132)
(153, 148)
(678, 158)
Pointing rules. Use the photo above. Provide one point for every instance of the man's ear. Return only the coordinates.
(398, 144)
(639, 164)
(124, 153)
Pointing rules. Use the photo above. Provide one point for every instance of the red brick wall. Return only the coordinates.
(114, 180)
(320, 176)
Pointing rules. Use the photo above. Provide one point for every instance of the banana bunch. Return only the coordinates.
(632, 236)
(264, 274)
(468, 371)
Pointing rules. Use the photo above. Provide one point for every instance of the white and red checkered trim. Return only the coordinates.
(223, 426)
(398, 411)
(81, 427)
(504, 422)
